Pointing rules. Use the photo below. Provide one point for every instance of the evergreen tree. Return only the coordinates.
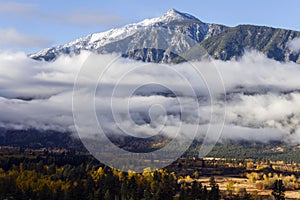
(196, 190)
(107, 195)
(278, 190)
(147, 195)
(182, 194)
(204, 193)
(214, 193)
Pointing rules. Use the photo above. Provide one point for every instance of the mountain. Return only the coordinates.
(273, 42)
(35, 139)
(163, 39)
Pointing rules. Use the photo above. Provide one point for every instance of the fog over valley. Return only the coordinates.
(262, 96)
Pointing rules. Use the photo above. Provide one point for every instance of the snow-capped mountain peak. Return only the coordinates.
(119, 33)
(173, 22)
(175, 33)
(169, 16)
(173, 14)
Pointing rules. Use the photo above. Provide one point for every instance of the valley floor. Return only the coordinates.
(240, 183)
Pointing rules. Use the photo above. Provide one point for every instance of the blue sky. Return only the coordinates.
(33, 25)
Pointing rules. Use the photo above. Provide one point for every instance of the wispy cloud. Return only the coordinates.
(10, 38)
(85, 18)
(16, 8)
(80, 17)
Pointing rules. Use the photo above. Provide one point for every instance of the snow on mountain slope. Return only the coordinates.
(166, 27)
(165, 38)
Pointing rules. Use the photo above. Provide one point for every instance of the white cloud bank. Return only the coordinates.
(263, 98)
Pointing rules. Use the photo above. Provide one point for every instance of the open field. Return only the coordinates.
(251, 188)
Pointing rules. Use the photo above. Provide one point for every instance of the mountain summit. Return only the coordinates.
(173, 15)
(162, 39)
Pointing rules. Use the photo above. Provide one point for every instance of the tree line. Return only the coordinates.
(40, 179)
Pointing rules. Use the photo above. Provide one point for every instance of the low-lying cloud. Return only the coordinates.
(143, 99)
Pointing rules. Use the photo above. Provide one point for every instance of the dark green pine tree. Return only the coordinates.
(196, 190)
(147, 195)
(183, 193)
(214, 193)
(204, 193)
(107, 195)
(278, 190)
